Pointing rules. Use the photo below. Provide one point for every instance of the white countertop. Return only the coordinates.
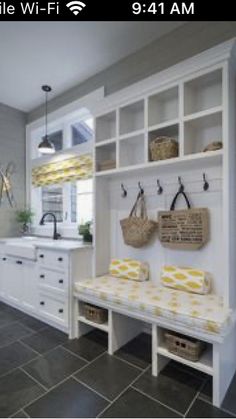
(41, 242)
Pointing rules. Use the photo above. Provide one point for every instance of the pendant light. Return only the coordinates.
(46, 146)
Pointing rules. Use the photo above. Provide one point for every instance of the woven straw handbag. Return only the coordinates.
(186, 229)
(138, 229)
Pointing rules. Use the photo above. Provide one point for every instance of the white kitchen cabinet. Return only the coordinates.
(43, 287)
(29, 285)
(13, 280)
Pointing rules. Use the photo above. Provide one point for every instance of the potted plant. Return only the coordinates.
(85, 231)
(24, 218)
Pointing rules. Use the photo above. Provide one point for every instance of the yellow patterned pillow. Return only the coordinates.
(129, 269)
(186, 279)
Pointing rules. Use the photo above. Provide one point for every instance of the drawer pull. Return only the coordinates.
(42, 303)
(60, 259)
(60, 310)
(19, 262)
(42, 276)
(60, 281)
(41, 256)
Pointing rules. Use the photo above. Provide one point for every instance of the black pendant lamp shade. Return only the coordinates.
(46, 146)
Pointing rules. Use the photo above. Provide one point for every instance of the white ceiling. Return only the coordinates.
(64, 54)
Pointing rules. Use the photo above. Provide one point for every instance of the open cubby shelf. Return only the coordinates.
(191, 112)
(163, 106)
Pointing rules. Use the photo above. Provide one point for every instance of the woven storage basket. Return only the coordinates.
(137, 230)
(183, 346)
(163, 148)
(107, 165)
(215, 145)
(95, 314)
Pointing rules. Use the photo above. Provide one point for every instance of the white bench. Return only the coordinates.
(130, 303)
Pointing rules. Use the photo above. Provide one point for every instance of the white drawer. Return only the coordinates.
(52, 259)
(52, 279)
(52, 308)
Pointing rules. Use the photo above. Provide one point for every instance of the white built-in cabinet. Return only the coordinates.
(43, 287)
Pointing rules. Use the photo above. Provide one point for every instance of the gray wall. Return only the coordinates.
(12, 148)
(184, 42)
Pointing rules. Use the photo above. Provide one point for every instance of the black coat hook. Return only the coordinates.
(181, 185)
(159, 188)
(140, 188)
(205, 183)
(124, 191)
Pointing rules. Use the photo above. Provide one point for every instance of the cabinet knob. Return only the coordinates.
(60, 281)
(42, 276)
(4, 259)
(60, 310)
(60, 259)
(19, 262)
(41, 256)
(42, 303)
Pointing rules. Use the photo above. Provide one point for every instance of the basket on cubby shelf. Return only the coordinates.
(95, 314)
(184, 346)
(162, 148)
(215, 145)
(107, 165)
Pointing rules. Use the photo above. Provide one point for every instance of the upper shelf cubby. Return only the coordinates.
(106, 126)
(200, 132)
(163, 107)
(203, 93)
(131, 118)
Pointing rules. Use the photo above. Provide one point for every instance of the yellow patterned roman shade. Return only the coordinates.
(67, 170)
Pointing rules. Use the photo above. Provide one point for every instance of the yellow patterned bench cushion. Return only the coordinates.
(129, 269)
(186, 279)
(204, 313)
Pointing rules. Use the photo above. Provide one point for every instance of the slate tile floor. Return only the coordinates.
(42, 374)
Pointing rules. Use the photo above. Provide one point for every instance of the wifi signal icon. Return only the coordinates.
(76, 6)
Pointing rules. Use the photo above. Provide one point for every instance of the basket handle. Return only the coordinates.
(139, 203)
(172, 207)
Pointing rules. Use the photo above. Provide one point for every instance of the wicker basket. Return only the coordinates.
(107, 165)
(215, 145)
(95, 314)
(162, 148)
(183, 346)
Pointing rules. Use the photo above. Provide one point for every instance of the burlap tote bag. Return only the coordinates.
(185, 229)
(137, 229)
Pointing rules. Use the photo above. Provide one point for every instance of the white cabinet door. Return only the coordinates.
(29, 285)
(13, 280)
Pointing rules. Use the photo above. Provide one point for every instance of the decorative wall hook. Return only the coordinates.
(181, 185)
(205, 183)
(159, 188)
(124, 191)
(140, 188)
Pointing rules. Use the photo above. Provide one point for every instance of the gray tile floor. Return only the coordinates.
(43, 374)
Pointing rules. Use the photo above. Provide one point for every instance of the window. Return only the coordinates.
(82, 131)
(82, 201)
(52, 201)
(71, 202)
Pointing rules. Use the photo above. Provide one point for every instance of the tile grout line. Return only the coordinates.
(34, 379)
(129, 363)
(123, 391)
(90, 388)
(157, 401)
(195, 398)
(78, 356)
(16, 368)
